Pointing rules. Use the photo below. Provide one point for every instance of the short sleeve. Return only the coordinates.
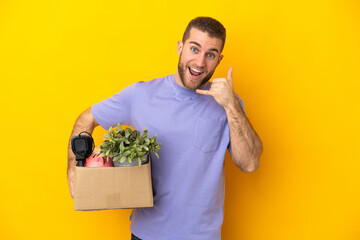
(242, 105)
(116, 109)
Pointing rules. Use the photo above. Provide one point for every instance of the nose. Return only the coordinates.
(200, 60)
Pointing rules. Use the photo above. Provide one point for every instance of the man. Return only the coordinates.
(196, 121)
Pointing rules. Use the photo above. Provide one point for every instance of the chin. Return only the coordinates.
(195, 84)
(191, 86)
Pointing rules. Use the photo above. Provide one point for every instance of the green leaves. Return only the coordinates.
(117, 158)
(122, 147)
(127, 145)
(106, 136)
(122, 159)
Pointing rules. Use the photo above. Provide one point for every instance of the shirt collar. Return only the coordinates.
(182, 93)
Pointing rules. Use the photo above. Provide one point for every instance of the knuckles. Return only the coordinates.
(216, 80)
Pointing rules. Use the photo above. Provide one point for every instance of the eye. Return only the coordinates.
(211, 55)
(194, 49)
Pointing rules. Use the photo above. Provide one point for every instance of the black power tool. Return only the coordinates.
(82, 146)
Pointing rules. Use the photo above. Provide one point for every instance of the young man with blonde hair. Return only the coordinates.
(196, 121)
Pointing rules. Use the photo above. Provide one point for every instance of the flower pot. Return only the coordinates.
(134, 162)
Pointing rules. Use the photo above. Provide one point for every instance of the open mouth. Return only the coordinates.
(195, 72)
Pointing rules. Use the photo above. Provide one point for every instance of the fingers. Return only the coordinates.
(71, 183)
(205, 92)
(229, 75)
(72, 189)
(217, 86)
(216, 80)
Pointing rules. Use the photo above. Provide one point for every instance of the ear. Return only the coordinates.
(220, 58)
(179, 47)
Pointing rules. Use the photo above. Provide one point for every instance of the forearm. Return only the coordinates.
(246, 145)
(85, 122)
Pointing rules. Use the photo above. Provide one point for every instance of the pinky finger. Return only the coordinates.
(205, 92)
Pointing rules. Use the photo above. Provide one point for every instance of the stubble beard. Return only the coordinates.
(182, 72)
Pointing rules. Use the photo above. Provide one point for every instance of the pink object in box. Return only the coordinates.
(96, 161)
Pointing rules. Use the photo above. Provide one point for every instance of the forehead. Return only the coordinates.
(203, 38)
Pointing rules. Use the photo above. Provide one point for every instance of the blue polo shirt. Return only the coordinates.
(188, 179)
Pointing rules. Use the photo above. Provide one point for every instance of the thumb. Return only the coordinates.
(229, 75)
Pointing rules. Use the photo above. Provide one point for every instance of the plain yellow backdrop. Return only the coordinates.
(296, 67)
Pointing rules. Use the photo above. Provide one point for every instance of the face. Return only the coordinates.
(199, 57)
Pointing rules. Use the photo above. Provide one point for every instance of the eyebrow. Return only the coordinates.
(212, 49)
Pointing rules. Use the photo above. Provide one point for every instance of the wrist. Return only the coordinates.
(232, 103)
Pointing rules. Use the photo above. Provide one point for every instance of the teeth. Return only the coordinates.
(195, 70)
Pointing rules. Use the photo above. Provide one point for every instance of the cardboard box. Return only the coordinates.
(113, 187)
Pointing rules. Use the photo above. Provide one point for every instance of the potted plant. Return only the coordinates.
(127, 147)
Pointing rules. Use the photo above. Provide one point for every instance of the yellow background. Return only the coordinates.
(296, 67)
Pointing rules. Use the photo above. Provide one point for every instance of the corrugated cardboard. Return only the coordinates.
(113, 187)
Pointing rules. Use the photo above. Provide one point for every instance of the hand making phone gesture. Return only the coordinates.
(221, 90)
